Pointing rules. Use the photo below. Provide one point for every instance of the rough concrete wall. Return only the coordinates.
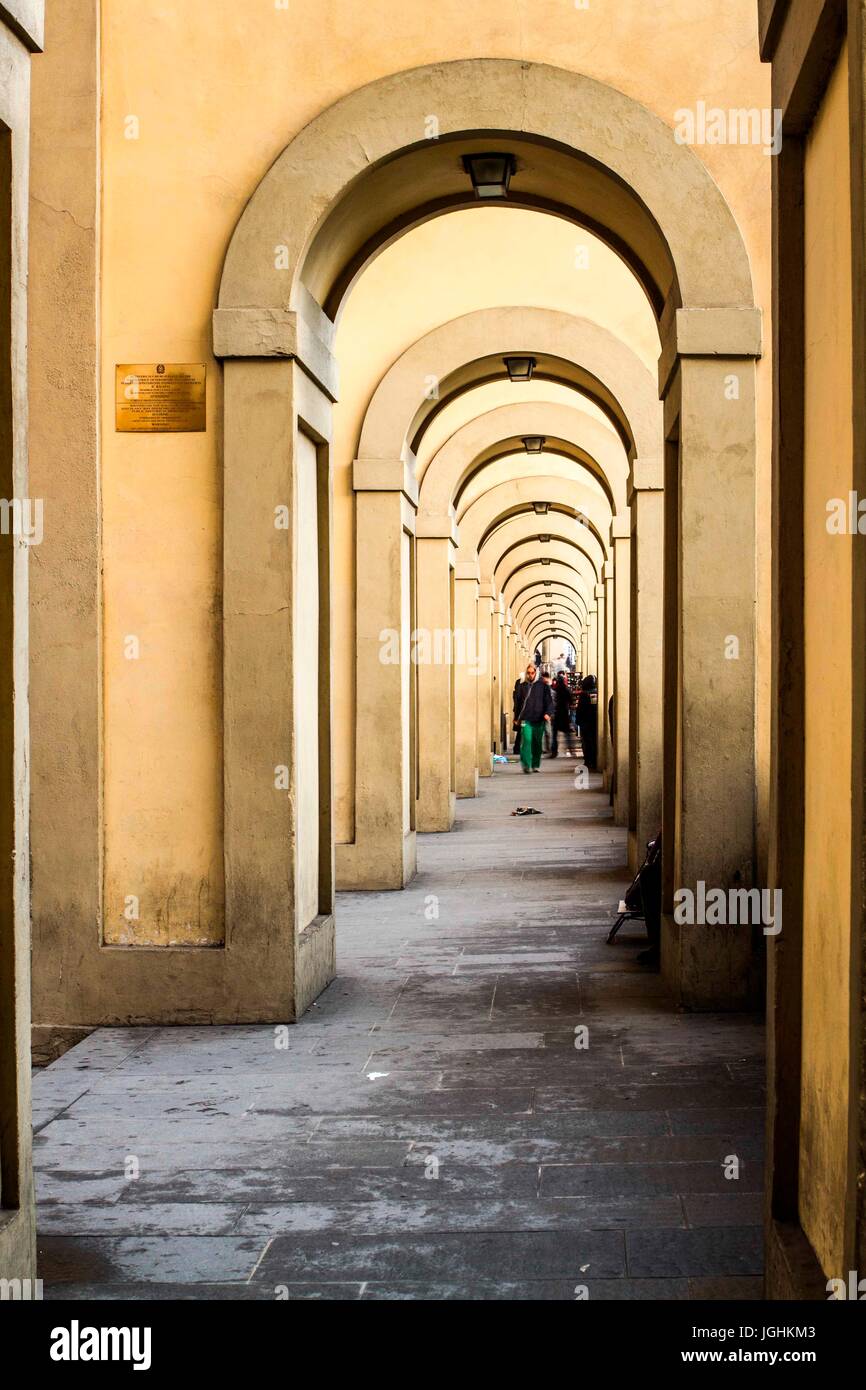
(828, 690)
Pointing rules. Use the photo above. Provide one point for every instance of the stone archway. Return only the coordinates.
(339, 193)
(568, 433)
(602, 368)
(457, 473)
(459, 356)
(487, 530)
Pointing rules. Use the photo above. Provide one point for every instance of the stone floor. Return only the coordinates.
(430, 1130)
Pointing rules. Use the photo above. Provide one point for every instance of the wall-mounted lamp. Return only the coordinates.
(520, 368)
(490, 173)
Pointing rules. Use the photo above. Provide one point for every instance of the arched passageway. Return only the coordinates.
(359, 176)
(273, 657)
(664, 216)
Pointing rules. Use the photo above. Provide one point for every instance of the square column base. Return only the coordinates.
(370, 866)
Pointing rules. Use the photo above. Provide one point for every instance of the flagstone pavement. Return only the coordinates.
(488, 1102)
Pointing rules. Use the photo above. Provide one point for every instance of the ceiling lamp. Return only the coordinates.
(545, 540)
(520, 368)
(545, 562)
(490, 173)
(534, 443)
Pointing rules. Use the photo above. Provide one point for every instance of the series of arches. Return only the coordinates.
(352, 181)
(630, 532)
(447, 531)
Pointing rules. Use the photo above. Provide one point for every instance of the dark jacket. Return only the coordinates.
(535, 701)
(562, 693)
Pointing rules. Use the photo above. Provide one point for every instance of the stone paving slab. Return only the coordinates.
(459, 1215)
(538, 1290)
(561, 1128)
(91, 1159)
(724, 1208)
(708, 1251)
(463, 1256)
(184, 1259)
(597, 1290)
(429, 1130)
(97, 1220)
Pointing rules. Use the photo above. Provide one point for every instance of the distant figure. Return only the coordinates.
(533, 707)
(562, 716)
(547, 677)
(517, 697)
(587, 720)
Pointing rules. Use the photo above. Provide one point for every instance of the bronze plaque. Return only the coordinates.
(160, 397)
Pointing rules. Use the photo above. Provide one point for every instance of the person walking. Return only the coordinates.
(533, 708)
(562, 716)
(587, 720)
(518, 695)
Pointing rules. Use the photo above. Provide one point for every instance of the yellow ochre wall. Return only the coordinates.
(828, 465)
(218, 90)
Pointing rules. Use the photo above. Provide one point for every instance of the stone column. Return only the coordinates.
(435, 653)
(486, 616)
(609, 656)
(603, 740)
(382, 854)
(518, 666)
(707, 379)
(592, 640)
(469, 654)
(620, 534)
(278, 837)
(498, 636)
(507, 681)
(646, 498)
(21, 33)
